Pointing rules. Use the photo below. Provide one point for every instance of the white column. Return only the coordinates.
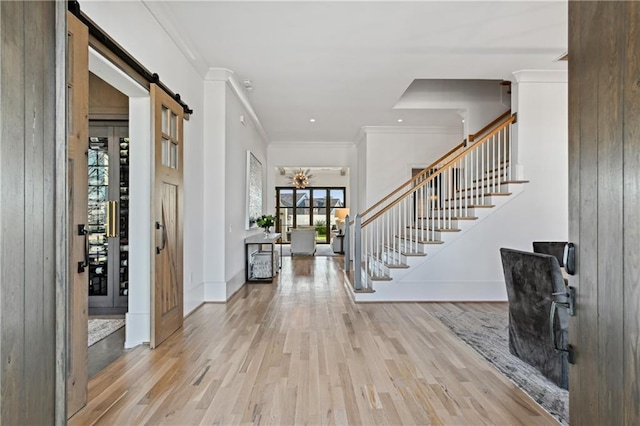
(214, 187)
(540, 99)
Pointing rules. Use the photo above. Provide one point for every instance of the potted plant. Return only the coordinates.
(265, 222)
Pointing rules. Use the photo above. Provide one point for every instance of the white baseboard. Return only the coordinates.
(193, 298)
(137, 329)
(426, 291)
(235, 284)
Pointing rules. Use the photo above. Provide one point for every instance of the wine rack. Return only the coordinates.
(124, 217)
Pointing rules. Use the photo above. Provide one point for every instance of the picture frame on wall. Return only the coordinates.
(254, 190)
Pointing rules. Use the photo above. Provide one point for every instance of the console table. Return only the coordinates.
(260, 240)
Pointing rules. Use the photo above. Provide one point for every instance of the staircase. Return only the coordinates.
(408, 227)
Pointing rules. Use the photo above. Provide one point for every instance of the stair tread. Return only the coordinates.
(396, 265)
(404, 253)
(421, 241)
(380, 278)
(488, 194)
(471, 206)
(435, 229)
(488, 185)
(452, 218)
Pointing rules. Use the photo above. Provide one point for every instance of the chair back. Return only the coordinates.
(303, 241)
(531, 280)
(554, 248)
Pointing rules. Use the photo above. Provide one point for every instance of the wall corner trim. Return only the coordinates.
(228, 76)
(541, 76)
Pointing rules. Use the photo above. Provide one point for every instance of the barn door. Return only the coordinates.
(167, 289)
(77, 134)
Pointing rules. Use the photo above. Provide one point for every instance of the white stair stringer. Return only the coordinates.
(393, 288)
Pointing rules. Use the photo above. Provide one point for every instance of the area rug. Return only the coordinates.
(488, 334)
(101, 328)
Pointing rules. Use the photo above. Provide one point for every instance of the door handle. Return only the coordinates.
(164, 237)
(569, 258)
(82, 265)
(112, 219)
(569, 349)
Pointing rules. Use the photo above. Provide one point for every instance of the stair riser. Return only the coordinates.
(455, 212)
(397, 258)
(504, 187)
(441, 223)
(487, 200)
(399, 250)
(377, 268)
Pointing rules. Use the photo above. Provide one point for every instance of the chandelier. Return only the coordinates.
(300, 179)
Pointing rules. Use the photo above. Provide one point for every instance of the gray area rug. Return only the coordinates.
(488, 334)
(101, 328)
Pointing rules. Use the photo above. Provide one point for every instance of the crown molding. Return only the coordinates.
(311, 144)
(162, 16)
(541, 76)
(404, 130)
(229, 77)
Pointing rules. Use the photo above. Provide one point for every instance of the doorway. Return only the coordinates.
(108, 217)
(107, 157)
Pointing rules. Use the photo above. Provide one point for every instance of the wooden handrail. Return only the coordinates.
(440, 171)
(438, 161)
(416, 177)
(473, 136)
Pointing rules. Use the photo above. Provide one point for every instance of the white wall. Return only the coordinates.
(310, 155)
(133, 27)
(390, 156)
(320, 178)
(477, 101)
(539, 213)
(240, 138)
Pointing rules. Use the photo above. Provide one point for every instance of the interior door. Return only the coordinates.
(77, 132)
(167, 289)
(604, 202)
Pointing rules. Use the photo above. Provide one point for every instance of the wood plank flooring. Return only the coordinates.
(299, 351)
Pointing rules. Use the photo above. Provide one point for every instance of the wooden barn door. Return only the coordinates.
(77, 137)
(604, 216)
(167, 288)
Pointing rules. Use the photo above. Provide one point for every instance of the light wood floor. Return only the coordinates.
(299, 351)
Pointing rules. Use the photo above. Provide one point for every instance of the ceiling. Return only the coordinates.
(346, 64)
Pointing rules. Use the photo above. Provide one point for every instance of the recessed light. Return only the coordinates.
(313, 120)
(400, 120)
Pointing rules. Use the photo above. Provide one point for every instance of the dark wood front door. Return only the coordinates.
(604, 216)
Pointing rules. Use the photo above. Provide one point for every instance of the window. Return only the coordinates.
(312, 206)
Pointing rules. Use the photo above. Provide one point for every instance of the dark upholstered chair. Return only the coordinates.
(531, 280)
(554, 248)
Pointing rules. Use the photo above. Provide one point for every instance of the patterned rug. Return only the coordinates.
(101, 328)
(488, 334)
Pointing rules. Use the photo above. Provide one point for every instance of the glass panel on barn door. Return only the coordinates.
(165, 152)
(173, 126)
(165, 119)
(173, 155)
